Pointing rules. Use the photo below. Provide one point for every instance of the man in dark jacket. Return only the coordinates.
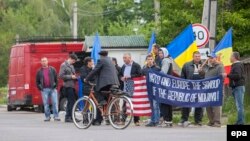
(106, 77)
(46, 81)
(67, 74)
(118, 69)
(237, 83)
(193, 71)
(84, 71)
(155, 116)
(128, 71)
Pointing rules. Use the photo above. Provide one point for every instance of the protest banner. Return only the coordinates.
(185, 93)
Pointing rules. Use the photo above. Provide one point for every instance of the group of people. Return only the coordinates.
(106, 74)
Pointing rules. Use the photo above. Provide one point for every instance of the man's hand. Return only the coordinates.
(224, 75)
(73, 76)
(123, 79)
(200, 68)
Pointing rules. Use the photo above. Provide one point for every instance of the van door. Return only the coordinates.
(20, 76)
(16, 76)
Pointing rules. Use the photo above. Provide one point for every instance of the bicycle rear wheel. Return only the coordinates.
(120, 112)
(83, 113)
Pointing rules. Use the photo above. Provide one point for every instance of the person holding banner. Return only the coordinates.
(237, 83)
(214, 68)
(155, 116)
(166, 109)
(193, 71)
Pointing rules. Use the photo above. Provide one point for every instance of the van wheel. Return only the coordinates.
(10, 108)
(63, 104)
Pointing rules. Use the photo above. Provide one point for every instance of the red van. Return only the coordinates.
(25, 61)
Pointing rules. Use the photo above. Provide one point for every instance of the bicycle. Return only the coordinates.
(118, 110)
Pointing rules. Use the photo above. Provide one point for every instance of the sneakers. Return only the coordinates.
(151, 124)
(198, 123)
(168, 124)
(68, 120)
(216, 125)
(165, 124)
(47, 119)
(107, 122)
(57, 119)
(137, 124)
(184, 123)
(210, 124)
(96, 123)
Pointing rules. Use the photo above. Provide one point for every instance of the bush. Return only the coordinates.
(3, 95)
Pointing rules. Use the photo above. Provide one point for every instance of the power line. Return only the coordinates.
(88, 13)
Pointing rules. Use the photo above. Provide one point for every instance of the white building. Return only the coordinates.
(118, 45)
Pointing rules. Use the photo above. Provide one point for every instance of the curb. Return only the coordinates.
(3, 106)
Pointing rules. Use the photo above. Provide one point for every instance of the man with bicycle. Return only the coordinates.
(106, 77)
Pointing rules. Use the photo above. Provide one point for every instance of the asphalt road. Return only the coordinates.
(29, 126)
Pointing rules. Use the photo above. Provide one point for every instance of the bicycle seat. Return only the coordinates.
(118, 92)
(105, 92)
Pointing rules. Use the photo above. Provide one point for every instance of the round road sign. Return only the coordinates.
(201, 35)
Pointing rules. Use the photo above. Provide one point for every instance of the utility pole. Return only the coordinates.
(209, 19)
(213, 25)
(74, 28)
(157, 14)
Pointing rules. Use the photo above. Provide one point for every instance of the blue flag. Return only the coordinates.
(80, 92)
(151, 42)
(96, 49)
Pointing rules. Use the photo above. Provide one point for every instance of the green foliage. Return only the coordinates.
(3, 95)
(115, 17)
(229, 109)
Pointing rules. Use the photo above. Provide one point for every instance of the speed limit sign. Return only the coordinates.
(201, 35)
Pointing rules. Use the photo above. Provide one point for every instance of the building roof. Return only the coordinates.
(118, 41)
(246, 60)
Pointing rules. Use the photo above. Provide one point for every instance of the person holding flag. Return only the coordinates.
(212, 69)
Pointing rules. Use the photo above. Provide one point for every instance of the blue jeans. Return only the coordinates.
(155, 117)
(46, 94)
(238, 94)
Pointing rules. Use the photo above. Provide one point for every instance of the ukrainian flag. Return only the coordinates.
(224, 50)
(182, 47)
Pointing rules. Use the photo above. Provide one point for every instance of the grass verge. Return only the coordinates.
(3, 95)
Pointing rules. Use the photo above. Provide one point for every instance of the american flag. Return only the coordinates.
(140, 97)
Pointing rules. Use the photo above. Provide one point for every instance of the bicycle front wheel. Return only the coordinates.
(120, 112)
(83, 112)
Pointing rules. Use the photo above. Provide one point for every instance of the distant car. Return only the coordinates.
(24, 63)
